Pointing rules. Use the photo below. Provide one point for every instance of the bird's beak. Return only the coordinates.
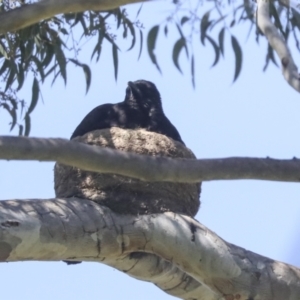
(130, 84)
(134, 88)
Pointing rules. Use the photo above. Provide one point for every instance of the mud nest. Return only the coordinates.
(126, 195)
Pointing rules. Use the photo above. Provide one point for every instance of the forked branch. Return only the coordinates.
(180, 255)
(277, 42)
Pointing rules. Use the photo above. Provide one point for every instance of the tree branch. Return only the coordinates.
(32, 13)
(147, 168)
(148, 247)
(276, 41)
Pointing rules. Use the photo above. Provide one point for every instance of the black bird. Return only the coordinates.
(142, 108)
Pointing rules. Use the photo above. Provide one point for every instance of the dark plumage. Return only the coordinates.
(142, 108)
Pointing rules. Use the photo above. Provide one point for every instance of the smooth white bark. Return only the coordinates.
(277, 42)
(156, 248)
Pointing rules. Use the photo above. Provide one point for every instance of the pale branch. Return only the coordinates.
(147, 168)
(165, 275)
(204, 266)
(29, 14)
(277, 42)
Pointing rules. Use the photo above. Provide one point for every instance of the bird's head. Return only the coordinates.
(143, 94)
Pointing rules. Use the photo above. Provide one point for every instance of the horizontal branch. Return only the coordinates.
(202, 264)
(29, 14)
(277, 42)
(147, 168)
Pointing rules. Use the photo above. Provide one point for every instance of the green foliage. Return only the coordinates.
(86, 70)
(178, 46)
(115, 59)
(151, 42)
(44, 51)
(204, 27)
(238, 57)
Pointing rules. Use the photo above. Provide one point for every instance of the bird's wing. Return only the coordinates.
(161, 124)
(101, 117)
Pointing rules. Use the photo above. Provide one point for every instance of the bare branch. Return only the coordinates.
(32, 13)
(289, 69)
(159, 246)
(147, 168)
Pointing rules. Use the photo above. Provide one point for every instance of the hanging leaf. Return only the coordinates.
(183, 37)
(109, 38)
(97, 50)
(88, 76)
(119, 16)
(139, 10)
(61, 60)
(179, 45)
(270, 57)
(115, 59)
(267, 62)
(216, 49)
(98, 46)
(125, 31)
(13, 102)
(204, 24)
(296, 40)
(39, 67)
(76, 62)
(34, 97)
(51, 70)
(193, 71)
(4, 66)
(37, 42)
(151, 41)
(238, 57)
(21, 130)
(184, 20)
(77, 18)
(141, 43)
(295, 19)
(27, 124)
(87, 72)
(12, 113)
(11, 77)
(20, 76)
(49, 55)
(28, 50)
(55, 77)
(64, 31)
(287, 32)
(132, 31)
(166, 30)
(221, 40)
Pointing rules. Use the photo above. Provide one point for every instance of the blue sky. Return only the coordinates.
(257, 116)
